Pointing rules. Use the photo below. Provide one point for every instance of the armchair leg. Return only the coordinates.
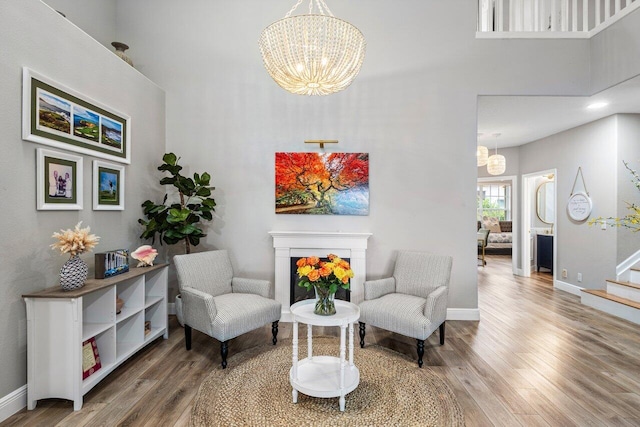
(187, 336)
(442, 333)
(224, 352)
(274, 331)
(420, 352)
(362, 332)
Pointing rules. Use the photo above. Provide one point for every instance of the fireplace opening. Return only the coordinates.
(299, 293)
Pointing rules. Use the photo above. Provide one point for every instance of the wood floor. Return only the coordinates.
(537, 358)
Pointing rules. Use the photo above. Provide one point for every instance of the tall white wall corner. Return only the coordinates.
(13, 402)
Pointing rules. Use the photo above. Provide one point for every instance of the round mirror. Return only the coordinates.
(545, 202)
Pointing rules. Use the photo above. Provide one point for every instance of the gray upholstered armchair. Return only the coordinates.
(413, 302)
(220, 305)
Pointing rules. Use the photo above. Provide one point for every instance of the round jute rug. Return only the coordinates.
(255, 391)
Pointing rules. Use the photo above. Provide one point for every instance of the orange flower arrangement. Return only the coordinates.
(327, 275)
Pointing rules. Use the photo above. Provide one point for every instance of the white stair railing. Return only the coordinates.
(533, 18)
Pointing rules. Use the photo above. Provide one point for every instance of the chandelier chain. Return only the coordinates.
(295, 6)
(323, 9)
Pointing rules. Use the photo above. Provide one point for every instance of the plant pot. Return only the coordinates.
(73, 273)
(325, 305)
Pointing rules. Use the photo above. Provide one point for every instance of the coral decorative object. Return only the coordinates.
(145, 254)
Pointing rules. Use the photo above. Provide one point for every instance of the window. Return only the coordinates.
(494, 200)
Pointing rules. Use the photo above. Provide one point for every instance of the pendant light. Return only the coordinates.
(497, 164)
(482, 155)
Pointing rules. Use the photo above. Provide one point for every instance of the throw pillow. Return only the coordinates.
(491, 224)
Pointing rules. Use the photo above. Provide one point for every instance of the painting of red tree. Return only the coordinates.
(322, 183)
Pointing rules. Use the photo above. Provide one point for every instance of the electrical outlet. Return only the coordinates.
(579, 277)
(564, 273)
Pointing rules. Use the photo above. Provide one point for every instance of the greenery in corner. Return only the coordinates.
(179, 221)
(631, 220)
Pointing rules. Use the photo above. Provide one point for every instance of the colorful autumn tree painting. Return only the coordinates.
(322, 183)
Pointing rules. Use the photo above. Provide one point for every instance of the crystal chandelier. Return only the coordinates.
(312, 54)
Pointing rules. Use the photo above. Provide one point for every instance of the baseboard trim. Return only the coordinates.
(468, 314)
(13, 402)
(567, 287)
(171, 308)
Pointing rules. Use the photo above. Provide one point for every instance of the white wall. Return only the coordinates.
(50, 46)
(95, 17)
(581, 248)
(628, 135)
(413, 108)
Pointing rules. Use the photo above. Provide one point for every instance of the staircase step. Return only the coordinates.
(604, 294)
(623, 283)
(612, 304)
(624, 289)
(634, 274)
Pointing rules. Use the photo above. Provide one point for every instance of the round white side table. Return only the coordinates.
(324, 376)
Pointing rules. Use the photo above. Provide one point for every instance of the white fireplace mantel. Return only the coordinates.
(296, 244)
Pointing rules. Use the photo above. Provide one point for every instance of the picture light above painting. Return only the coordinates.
(55, 115)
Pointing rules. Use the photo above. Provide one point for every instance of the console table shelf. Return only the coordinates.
(59, 322)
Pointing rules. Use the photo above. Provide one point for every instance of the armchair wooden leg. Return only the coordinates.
(442, 333)
(187, 336)
(274, 331)
(224, 352)
(420, 352)
(361, 333)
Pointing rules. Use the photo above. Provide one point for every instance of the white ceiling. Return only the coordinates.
(522, 119)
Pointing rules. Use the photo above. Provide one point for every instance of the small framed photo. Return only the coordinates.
(58, 181)
(108, 186)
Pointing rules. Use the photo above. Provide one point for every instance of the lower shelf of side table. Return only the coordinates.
(320, 377)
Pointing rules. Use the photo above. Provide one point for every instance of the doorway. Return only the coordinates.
(498, 198)
(539, 222)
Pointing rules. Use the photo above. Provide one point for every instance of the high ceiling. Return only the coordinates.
(516, 120)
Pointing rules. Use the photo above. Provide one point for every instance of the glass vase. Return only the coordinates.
(325, 305)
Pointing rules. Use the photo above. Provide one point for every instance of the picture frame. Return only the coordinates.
(90, 358)
(58, 180)
(60, 117)
(108, 186)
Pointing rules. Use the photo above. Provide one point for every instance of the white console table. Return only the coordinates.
(58, 322)
(324, 376)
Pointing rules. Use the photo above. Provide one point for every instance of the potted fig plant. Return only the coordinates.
(180, 220)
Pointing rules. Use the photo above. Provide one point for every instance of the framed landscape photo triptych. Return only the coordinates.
(58, 116)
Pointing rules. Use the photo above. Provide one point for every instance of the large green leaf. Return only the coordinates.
(170, 159)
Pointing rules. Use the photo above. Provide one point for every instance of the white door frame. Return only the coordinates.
(514, 215)
(528, 188)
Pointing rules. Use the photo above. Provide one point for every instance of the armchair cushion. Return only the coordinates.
(376, 288)
(239, 313)
(251, 286)
(400, 313)
(419, 273)
(210, 272)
